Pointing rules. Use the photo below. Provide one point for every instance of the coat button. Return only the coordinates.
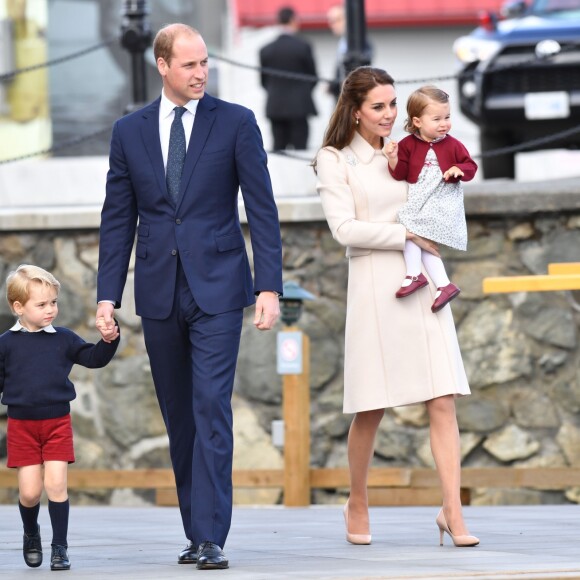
(178, 221)
(174, 252)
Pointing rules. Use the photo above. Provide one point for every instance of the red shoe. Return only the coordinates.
(417, 282)
(448, 293)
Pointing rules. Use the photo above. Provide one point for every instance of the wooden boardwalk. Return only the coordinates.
(276, 543)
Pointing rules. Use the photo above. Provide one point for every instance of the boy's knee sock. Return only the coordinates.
(29, 517)
(58, 511)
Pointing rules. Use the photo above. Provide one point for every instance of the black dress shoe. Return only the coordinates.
(32, 549)
(211, 557)
(188, 555)
(59, 558)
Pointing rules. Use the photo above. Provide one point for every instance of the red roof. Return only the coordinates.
(379, 13)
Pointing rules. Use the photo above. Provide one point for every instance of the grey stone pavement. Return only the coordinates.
(276, 543)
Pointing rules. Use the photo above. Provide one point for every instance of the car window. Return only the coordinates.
(544, 6)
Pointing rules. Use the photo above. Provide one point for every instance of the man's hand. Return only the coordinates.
(267, 310)
(105, 323)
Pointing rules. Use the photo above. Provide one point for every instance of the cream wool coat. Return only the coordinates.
(397, 352)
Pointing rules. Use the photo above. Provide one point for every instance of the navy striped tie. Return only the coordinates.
(175, 155)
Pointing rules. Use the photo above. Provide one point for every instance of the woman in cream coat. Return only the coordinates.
(397, 352)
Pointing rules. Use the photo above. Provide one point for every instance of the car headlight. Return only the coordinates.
(469, 49)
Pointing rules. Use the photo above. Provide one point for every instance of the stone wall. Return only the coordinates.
(521, 354)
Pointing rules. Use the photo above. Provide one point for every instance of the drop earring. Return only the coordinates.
(356, 120)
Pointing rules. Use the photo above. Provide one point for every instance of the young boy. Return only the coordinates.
(35, 361)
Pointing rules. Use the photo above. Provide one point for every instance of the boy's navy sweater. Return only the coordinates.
(34, 369)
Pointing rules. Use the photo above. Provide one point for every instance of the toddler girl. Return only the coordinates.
(434, 164)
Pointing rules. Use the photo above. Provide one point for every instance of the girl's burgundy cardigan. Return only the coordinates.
(449, 152)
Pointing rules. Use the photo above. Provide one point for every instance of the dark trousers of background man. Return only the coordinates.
(289, 133)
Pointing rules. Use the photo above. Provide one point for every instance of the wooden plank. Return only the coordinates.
(564, 268)
(553, 478)
(105, 478)
(258, 478)
(404, 496)
(378, 496)
(531, 477)
(540, 283)
(147, 478)
(471, 477)
(322, 478)
(112, 479)
(424, 477)
(331, 478)
(166, 497)
(490, 477)
(8, 478)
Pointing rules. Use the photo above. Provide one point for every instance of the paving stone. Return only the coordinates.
(267, 543)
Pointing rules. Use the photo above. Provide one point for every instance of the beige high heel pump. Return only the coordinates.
(459, 541)
(359, 539)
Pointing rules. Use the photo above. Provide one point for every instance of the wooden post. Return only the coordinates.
(296, 406)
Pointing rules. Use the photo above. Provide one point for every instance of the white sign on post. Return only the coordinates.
(289, 353)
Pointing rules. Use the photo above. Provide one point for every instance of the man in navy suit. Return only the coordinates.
(289, 101)
(192, 275)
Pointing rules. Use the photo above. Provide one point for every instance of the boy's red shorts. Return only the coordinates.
(32, 442)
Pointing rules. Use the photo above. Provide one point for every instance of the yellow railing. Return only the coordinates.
(564, 276)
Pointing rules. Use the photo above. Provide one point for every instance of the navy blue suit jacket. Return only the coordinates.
(225, 153)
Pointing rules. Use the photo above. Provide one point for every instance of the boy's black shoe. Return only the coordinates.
(32, 549)
(59, 558)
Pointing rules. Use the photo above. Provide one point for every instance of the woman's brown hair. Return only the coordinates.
(355, 89)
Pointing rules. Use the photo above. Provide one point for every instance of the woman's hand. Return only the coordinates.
(424, 244)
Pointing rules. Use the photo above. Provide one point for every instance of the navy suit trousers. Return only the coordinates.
(193, 360)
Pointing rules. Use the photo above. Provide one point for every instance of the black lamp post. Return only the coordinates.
(357, 48)
(136, 37)
(291, 302)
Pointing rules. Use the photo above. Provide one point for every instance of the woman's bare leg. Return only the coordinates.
(445, 446)
(361, 445)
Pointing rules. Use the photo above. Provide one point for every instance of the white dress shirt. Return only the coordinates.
(166, 115)
(19, 328)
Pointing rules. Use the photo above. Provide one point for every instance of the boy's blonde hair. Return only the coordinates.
(418, 102)
(18, 283)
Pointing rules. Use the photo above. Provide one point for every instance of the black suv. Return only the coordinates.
(520, 79)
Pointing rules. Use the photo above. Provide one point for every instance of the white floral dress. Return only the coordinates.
(434, 208)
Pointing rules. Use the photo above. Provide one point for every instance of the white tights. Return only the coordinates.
(434, 266)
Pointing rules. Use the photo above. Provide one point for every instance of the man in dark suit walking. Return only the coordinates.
(175, 169)
(289, 101)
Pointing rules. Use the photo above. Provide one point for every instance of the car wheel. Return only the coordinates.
(496, 166)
